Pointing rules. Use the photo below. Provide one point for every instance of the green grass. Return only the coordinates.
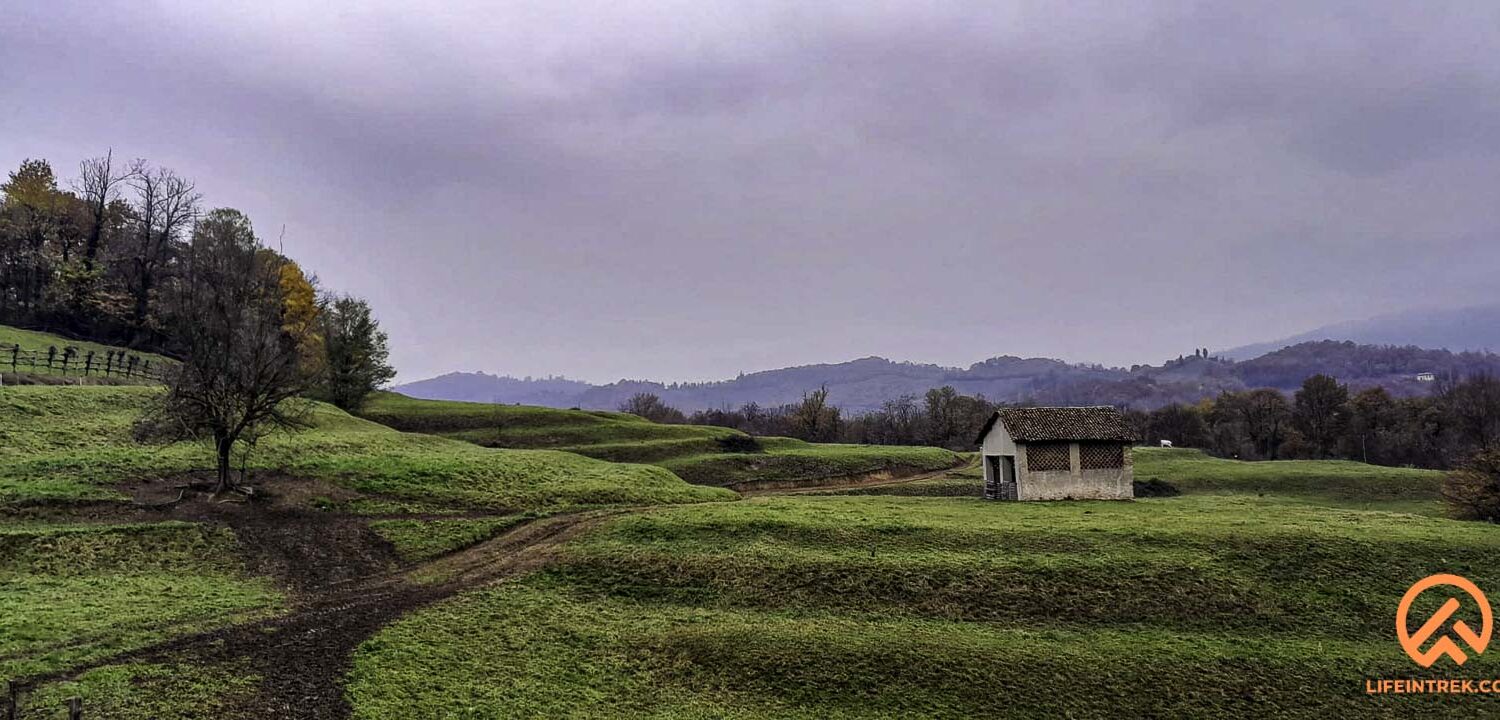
(76, 593)
(424, 539)
(792, 461)
(40, 341)
(1341, 483)
(861, 607)
(699, 454)
(73, 443)
(143, 691)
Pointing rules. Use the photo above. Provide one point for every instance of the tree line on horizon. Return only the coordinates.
(130, 255)
(1323, 419)
(1457, 428)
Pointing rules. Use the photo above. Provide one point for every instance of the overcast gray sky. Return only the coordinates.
(688, 189)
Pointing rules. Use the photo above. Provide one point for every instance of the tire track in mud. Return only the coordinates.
(302, 657)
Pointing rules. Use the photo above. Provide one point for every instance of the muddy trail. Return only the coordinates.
(302, 656)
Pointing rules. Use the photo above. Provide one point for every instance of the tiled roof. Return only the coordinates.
(1041, 424)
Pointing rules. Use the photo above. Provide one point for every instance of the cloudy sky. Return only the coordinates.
(689, 189)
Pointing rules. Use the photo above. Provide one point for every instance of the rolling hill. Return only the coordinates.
(1475, 328)
(701, 455)
(862, 385)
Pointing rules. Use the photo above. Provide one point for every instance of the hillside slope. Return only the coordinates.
(34, 346)
(74, 444)
(875, 608)
(699, 454)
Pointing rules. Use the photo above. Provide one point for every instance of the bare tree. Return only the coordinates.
(243, 365)
(166, 204)
(1472, 408)
(814, 419)
(98, 186)
(651, 407)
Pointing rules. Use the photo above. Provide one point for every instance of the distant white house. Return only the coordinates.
(1426, 377)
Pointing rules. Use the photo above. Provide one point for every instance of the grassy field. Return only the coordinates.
(424, 539)
(11, 337)
(1266, 590)
(77, 588)
(1332, 482)
(74, 444)
(864, 607)
(80, 592)
(699, 454)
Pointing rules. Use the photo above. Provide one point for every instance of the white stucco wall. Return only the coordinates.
(997, 442)
(1076, 484)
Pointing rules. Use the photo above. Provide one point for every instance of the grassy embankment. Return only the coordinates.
(74, 444)
(30, 340)
(699, 454)
(885, 607)
(78, 585)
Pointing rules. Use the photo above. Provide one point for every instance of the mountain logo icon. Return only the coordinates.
(1412, 642)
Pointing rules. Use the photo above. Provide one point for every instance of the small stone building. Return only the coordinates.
(1057, 453)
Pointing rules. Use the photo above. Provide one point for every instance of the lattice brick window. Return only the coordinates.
(1048, 456)
(1101, 456)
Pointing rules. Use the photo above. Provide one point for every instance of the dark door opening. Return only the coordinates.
(1000, 480)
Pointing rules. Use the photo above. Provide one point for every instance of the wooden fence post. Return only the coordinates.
(13, 692)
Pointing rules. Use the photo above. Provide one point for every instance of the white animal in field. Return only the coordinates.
(1166, 443)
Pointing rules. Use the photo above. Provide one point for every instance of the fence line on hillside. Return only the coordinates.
(79, 363)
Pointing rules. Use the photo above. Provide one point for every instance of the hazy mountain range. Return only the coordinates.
(1380, 351)
(1467, 328)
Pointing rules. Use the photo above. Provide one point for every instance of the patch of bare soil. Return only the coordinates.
(887, 476)
(279, 528)
(301, 658)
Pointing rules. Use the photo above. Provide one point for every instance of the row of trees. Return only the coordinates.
(128, 255)
(94, 259)
(942, 417)
(813, 419)
(1324, 420)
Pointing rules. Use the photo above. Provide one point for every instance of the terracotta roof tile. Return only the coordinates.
(1041, 424)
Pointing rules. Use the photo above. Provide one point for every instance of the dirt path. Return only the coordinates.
(303, 656)
(867, 480)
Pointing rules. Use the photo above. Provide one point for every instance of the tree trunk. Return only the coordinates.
(223, 444)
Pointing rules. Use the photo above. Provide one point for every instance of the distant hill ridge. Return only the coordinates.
(1475, 328)
(863, 384)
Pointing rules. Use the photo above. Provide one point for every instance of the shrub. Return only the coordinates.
(1155, 487)
(1472, 492)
